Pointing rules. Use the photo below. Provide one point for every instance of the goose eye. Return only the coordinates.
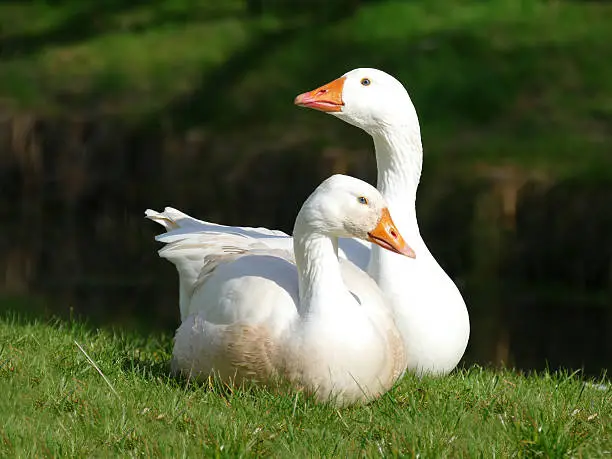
(362, 200)
(365, 81)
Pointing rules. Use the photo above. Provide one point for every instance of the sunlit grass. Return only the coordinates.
(56, 403)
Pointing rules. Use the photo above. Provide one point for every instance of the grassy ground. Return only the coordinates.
(56, 403)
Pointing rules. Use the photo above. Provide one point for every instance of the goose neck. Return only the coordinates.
(399, 159)
(320, 279)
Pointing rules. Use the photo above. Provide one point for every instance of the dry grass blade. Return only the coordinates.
(97, 369)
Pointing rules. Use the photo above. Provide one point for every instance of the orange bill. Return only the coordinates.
(327, 98)
(388, 237)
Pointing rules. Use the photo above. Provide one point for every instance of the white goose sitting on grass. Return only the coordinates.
(429, 309)
(301, 316)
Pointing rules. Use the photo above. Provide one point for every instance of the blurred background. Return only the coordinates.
(110, 107)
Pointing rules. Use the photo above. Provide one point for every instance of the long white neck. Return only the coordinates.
(320, 280)
(399, 159)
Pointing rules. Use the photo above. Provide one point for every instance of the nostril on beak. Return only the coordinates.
(394, 234)
(321, 91)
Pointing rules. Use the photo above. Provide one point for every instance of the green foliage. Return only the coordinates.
(525, 83)
(56, 403)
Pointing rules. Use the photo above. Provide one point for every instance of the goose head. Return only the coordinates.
(367, 98)
(344, 206)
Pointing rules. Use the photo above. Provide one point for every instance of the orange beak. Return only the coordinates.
(388, 237)
(327, 98)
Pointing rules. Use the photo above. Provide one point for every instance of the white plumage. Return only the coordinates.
(261, 312)
(429, 309)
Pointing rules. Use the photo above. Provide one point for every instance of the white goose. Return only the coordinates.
(295, 319)
(429, 310)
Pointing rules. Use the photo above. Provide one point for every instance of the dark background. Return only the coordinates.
(110, 107)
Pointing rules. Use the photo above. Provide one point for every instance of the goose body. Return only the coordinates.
(263, 314)
(429, 309)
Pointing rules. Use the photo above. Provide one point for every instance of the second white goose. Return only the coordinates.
(259, 313)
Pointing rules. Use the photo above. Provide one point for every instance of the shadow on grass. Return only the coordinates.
(148, 366)
(142, 351)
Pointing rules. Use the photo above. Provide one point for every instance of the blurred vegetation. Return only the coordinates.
(500, 81)
(108, 108)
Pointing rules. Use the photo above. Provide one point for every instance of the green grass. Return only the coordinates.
(503, 82)
(55, 403)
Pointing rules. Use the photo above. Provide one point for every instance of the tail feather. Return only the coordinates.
(178, 224)
(172, 219)
(197, 247)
